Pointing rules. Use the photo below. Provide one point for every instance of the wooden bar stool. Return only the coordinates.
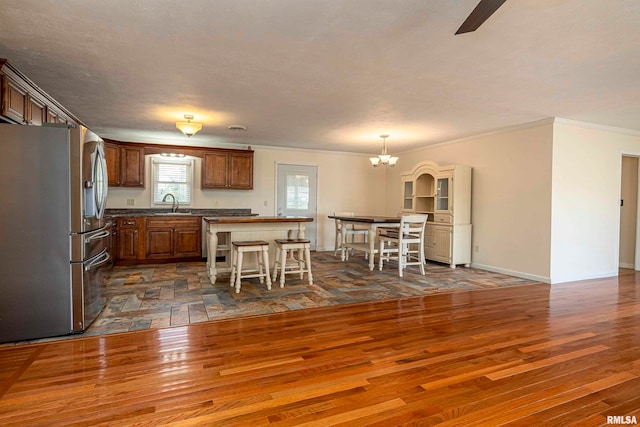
(238, 249)
(291, 264)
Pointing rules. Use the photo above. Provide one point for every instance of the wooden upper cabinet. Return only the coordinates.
(37, 111)
(112, 155)
(215, 170)
(14, 100)
(25, 103)
(228, 169)
(241, 170)
(131, 166)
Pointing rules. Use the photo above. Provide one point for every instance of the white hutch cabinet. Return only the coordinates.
(444, 193)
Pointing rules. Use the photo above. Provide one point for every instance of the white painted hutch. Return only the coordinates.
(444, 193)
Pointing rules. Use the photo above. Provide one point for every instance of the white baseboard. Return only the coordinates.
(512, 272)
(587, 277)
(625, 265)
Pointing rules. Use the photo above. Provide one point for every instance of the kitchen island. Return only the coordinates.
(221, 231)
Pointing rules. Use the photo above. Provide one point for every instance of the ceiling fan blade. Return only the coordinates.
(481, 13)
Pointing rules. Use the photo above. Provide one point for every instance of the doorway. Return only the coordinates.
(628, 212)
(297, 195)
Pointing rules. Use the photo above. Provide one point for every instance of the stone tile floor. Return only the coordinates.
(159, 296)
(165, 295)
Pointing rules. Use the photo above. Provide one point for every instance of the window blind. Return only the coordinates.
(174, 176)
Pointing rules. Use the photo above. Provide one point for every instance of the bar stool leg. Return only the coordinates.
(300, 262)
(265, 260)
(260, 263)
(307, 255)
(233, 266)
(239, 273)
(275, 266)
(283, 264)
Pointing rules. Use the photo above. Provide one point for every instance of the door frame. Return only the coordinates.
(637, 254)
(275, 191)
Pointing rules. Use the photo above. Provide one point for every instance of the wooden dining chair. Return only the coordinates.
(348, 230)
(404, 244)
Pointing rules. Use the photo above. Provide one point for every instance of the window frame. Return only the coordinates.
(187, 161)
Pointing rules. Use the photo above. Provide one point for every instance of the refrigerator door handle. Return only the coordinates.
(102, 158)
(98, 261)
(97, 236)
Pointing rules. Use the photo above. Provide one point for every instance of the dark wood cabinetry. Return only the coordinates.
(14, 100)
(173, 237)
(221, 168)
(23, 102)
(131, 166)
(37, 111)
(228, 169)
(125, 164)
(157, 238)
(112, 155)
(128, 238)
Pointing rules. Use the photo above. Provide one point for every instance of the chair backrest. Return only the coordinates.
(338, 222)
(412, 226)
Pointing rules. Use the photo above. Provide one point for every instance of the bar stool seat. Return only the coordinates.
(289, 263)
(238, 249)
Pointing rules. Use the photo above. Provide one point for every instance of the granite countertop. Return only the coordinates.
(113, 213)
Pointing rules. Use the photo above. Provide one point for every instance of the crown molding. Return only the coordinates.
(595, 126)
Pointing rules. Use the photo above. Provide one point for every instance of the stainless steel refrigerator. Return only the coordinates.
(53, 235)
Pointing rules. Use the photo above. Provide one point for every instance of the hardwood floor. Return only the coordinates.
(536, 354)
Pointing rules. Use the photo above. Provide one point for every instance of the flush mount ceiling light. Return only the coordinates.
(189, 128)
(383, 158)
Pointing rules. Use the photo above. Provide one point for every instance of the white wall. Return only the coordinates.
(545, 196)
(346, 182)
(511, 196)
(585, 202)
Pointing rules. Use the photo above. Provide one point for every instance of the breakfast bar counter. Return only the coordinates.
(221, 231)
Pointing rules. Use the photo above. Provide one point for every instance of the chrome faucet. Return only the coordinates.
(174, 202)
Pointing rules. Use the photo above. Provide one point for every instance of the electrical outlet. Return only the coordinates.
(477, 248)
(131, 202)
(266, 202)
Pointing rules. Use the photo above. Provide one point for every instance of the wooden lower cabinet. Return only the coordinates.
(448, 243)
(442, 243)
(127, 238)
(173, 237)
(157, 239)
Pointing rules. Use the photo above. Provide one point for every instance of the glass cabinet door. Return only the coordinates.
(443, 194)
(407, 202)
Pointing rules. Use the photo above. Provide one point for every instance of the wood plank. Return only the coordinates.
(526, 355)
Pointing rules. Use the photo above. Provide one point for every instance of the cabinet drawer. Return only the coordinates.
(127, 222)
(442, 218)
(174, 222)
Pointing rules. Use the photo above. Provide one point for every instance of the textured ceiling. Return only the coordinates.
(327, 74)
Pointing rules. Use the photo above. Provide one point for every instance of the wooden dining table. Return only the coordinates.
(371, 223)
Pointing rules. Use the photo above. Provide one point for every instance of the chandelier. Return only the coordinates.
(383, 158)
(189, 128)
